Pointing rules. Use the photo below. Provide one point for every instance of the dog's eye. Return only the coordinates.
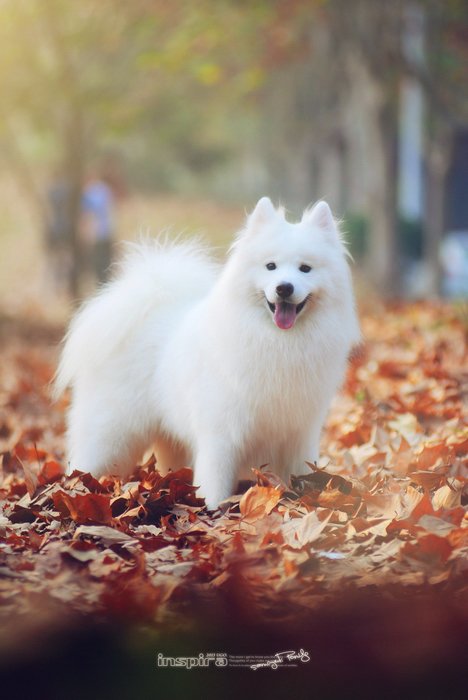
(270, 266)
(305, 268)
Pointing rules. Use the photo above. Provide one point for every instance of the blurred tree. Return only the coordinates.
(372, 38)
(54, 88)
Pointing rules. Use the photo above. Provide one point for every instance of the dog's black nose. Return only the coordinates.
(284, 290)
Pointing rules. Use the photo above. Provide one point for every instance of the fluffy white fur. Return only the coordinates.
(184, 354)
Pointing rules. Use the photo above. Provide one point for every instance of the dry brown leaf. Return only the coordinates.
(300, 532)
(446, 497)
(258, 501)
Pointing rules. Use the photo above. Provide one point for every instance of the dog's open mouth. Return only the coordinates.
(285, 313)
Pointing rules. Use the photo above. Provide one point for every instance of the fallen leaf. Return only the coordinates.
(90, 507)
(300, 532)
(258, 501)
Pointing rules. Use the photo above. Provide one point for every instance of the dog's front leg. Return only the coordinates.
(215, 471)
(302, 450)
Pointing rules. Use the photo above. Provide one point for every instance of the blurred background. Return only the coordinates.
(121, 118)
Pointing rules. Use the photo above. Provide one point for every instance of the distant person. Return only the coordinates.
(98, 224)
(59, 233)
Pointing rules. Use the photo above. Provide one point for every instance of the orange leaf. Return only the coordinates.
(258, 501)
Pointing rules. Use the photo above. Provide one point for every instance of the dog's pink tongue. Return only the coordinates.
(285, 315)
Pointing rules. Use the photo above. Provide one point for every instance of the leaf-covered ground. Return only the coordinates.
(374, 535)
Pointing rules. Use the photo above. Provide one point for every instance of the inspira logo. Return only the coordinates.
(189, 662)
(290, 659)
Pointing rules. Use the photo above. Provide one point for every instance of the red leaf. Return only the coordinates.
(89, 507)
(51, 471)
(430, 549)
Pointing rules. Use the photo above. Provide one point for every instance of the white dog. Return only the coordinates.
(222, 368)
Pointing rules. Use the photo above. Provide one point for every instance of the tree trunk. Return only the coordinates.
(438, 162)
(73, 133)
(383, 259)
(74, 158)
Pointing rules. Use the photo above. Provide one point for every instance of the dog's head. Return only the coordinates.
(291, 267)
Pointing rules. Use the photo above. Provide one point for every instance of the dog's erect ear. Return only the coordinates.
(264, 213)
(320, 215)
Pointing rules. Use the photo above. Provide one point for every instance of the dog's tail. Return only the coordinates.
(152, 275)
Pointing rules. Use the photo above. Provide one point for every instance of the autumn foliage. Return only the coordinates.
(383, 509)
